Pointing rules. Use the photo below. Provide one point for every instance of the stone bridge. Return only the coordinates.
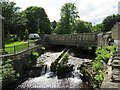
(83, 39)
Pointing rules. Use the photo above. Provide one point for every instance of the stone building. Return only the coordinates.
(116, 34)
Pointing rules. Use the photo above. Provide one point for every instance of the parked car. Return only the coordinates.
(34, 36)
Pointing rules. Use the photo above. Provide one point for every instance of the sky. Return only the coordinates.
(89, 10)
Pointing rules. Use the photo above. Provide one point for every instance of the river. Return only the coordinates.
(47, 80)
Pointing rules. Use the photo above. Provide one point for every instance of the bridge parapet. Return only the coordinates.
(83, 39)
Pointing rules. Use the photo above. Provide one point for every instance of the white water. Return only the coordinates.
(48, 80)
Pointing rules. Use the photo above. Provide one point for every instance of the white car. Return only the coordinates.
(34, 36)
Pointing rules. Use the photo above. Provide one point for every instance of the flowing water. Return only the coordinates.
(48, 80)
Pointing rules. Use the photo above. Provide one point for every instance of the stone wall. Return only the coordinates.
(20, 58)
(105, 39)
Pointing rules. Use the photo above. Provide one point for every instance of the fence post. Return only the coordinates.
(28, 44)
(14, 49)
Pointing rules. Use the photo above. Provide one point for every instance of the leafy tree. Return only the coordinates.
(9, 12)
(82, 26)
(38, 21)
(109, 21)
(21, 24)
(98, 27)
(69, 15)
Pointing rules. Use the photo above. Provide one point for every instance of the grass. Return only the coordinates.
(14, 43)
(30, 40)
(18, 46)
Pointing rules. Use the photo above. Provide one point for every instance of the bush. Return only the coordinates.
(97, 66)
(31, 60)
(104, 53)
(8, 72)
(42, 48)
(98, 80)
(36, 54)
(113, 49)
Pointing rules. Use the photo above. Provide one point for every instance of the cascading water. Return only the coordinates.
(49, 80)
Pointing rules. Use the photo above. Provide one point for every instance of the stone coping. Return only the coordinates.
(7, 55)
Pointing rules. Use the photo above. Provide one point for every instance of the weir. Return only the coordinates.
(49, 79)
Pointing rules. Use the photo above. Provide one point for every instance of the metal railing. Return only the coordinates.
(17, 48)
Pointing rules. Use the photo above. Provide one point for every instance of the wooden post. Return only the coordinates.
(14, 49)
(28, 44)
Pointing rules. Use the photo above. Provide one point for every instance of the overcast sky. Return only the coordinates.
(89, 10)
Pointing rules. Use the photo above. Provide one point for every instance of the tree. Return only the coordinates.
(98, 27)
(69, 15)
(21, 24)
(38, 21)
(82, 26)
(9, 12)
(109, 21)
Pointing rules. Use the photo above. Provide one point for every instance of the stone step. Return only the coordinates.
(116, 58)
(115, 78)
(115, 62)
(116, 72)
(117, 66)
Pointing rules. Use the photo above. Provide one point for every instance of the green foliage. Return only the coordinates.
(99, 79)
(33, 19)
(22, 30)
(98, 27)
(113, 49)
(82, 26)
(109, 21)
(38, 21)
(26, 35)
(42, 48)
(12, 38)
(31, 60)
(69, 15)
(35, 54)
(84, 72)
(97, 66)
(9, 10)
(8, 73)
(103, 54)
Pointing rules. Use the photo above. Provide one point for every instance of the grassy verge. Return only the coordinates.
(18, 46)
